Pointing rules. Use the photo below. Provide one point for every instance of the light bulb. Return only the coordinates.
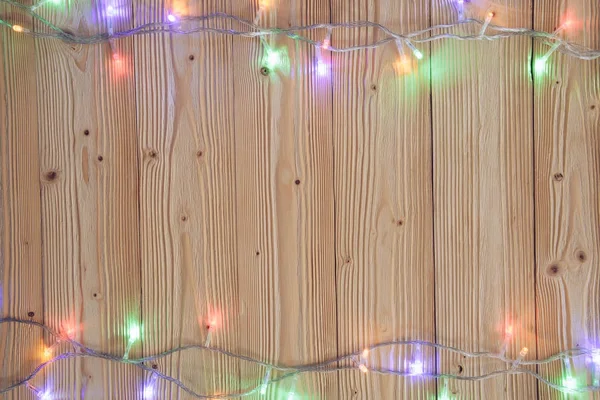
(321, 68)
(416, 367)
(134, 333)
(540, 65)
(18, 28)
(570, 383)
(110, 11)
(523, 352)
(272, 58)
(171, 18)
(363, 368)
(148, 392)
(596, 357)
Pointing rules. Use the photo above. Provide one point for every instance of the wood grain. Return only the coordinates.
(307, 215)
(483, 196)
(89, 174)
(567, 176)
(383, 192)
(284, 179)
(187, 194)
(21, 288)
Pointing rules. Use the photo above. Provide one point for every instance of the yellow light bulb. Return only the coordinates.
(18, 28)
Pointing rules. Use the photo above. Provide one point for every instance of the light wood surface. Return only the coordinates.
(483, 196)
(306, 215)
(567, 203)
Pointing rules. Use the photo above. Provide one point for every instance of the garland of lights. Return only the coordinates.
(353, 361)
(274, 57)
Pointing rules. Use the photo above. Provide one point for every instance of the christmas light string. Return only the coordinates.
(415, 367)
(175, 24)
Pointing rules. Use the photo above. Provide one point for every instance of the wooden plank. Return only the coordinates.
(567, 176)
(187, 197)
(284, 180)
(483, 196)
(383, 192)
(89, 174)
(20, 237)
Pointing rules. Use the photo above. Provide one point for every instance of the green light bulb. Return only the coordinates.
(540, 65)
(570, 383)
(134, 333)
(273, 58)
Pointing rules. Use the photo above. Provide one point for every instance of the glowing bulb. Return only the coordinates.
(416, 367)
(47, 353)
(523, 352)
(18, 28)
(263, 3)
(570, 383)
(326, 44)
(404, 66)
(596, 357)
(416, 52)
(148, 392)
(363, 368)
(540, 65)
(272, 58)
(45, 395)
(321, 68)
(171, 18)
(486, 23)
(365, 353)
(110, 11)
(134, 333)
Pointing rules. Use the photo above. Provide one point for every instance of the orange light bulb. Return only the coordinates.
(18, 28)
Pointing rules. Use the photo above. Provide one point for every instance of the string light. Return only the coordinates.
(150, 387)
(508, 334)
(134, 335)
(522, 355)
(40, 394)
(110, 11)
(321, 68)
(416, 52)
(416, 367)
(486, 23)
(171, 18)
(570, 384)
(540, 63)
(19, 29)
(212, 324)
(363, 361)
(199, 24)
(323, 367)
(327, 40)
(273, 58)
